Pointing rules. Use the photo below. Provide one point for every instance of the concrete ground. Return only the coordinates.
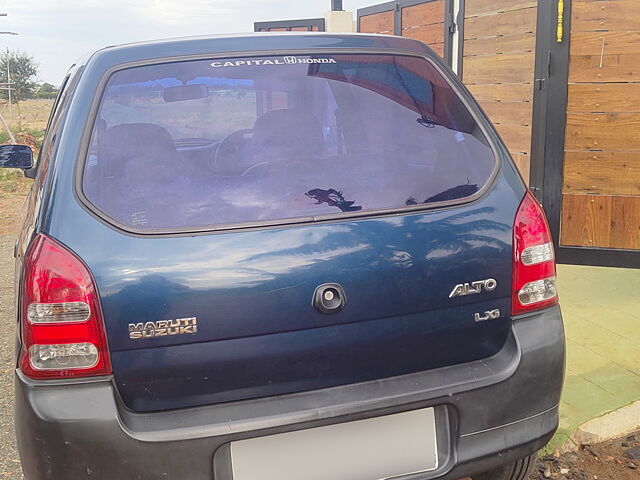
(601, 310)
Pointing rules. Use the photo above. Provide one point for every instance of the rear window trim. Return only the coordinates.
(286, 222)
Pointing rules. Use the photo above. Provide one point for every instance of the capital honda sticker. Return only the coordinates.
(290, 60)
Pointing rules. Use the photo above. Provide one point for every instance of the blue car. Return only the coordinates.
(282, 256)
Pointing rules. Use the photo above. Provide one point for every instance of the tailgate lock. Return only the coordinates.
(329, 298)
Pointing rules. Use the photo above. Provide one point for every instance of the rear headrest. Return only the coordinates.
(138, 139)
(290, 131)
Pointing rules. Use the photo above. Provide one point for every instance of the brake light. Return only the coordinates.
(62, 327)
(534, 268)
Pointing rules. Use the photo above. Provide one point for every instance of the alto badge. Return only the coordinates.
(473, 288)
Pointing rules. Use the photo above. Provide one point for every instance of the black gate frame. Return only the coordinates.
(396, 7)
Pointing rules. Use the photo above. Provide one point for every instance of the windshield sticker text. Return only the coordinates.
(276, 61)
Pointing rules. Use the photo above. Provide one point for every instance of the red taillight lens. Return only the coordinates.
(62, 327)
(534, 268)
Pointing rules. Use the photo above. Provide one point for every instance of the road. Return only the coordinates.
(9, 461)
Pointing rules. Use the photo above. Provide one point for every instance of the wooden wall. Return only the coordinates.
(499, 68)
(425, 22)
(601, 189)
(377, 23)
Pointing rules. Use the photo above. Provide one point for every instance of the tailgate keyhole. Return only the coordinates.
(329, 298)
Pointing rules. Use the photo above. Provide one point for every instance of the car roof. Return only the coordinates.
(263, 42)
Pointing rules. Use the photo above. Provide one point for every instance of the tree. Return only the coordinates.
(23, 70)
(45, 90)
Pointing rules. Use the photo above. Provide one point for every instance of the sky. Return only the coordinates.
(57, 32)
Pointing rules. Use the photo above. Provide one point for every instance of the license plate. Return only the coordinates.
(372, 449)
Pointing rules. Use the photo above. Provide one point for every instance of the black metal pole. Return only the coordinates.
(336, 5)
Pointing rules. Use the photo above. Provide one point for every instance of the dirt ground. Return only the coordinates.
(615, 460)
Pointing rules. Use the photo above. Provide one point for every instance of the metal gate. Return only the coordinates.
(592, 161)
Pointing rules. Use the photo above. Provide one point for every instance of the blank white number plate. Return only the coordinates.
(371, 449)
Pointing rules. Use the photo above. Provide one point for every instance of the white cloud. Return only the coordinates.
(57, 32)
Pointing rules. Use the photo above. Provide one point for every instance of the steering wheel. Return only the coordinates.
(229, 147)
(252, 168)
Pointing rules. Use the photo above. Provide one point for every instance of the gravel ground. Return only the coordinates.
(9, 462)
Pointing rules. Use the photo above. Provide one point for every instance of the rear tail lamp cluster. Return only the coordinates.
(62, 327)
(534, 268)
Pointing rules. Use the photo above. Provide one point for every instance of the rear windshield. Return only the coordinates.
(219, 142)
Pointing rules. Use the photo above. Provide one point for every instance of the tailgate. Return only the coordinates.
(258, 333)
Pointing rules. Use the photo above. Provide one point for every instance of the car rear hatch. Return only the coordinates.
(247, 183)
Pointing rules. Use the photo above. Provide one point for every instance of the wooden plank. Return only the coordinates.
(429, 34)
(509, 113)
(508, 92)
(590, 15)
(438, 48)
(604, 173)
(519, 157)
(508, 68)
(625, 223)
(603, 97)
(508, 23)
(601, 201)
(516, 137)
(605, 44)
(586, 221)
(614, 68)
(602, 131)
(523, 42)
(474, 8)
(377, 23)
(423, 14)
(523, 162)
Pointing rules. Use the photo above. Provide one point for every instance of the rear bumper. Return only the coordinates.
(488, 413)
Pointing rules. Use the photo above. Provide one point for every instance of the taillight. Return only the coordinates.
(534, 268)
(62, 327)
